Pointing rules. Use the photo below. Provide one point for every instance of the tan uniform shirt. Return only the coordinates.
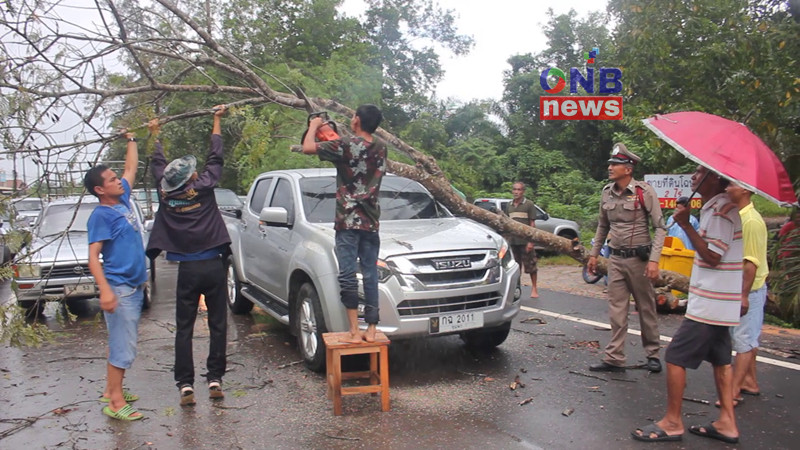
(624, 222)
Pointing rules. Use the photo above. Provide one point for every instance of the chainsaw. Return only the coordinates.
(326, 132)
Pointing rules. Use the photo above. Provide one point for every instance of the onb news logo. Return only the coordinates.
(581, 107)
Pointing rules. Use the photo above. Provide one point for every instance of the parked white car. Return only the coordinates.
(560, 227)
(56, 264)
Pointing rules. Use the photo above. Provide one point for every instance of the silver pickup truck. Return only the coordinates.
(438, 274)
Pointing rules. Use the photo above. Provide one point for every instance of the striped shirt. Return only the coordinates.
(715, 293)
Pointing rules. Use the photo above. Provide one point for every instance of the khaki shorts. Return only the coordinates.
(526, 259)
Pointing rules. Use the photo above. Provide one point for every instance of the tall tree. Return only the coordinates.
(585, 143)
(735, 58)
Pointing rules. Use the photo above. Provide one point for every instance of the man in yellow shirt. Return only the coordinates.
(754, 294)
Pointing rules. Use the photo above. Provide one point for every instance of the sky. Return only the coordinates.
(500, 29)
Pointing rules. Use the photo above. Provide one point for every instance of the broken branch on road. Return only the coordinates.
(587, 375)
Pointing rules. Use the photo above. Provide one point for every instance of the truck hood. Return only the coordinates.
(431, 235)
(72, 247)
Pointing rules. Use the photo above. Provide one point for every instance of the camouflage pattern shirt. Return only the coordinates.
(360, 166)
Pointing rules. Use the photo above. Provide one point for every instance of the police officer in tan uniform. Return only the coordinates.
(627, 209)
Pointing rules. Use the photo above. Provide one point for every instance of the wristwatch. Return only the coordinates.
(133, 139)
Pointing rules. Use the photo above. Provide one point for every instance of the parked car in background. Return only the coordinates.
(228, 201)
(28, 209)
(438, 274)
(6, 219)
(560, 227)
(56, 264)
(148, 201)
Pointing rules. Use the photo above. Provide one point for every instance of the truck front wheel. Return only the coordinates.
(486, 338)
(236, 301)
(310, 325)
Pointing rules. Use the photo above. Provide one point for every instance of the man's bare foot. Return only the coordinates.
(369, 335)
(534, 294)
(351, 338)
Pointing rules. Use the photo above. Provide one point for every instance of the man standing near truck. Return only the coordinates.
(523, 211)
(189, 227)
(360, 165)
(627, 208)
(120, 276)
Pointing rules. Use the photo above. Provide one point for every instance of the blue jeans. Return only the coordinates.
(353, 245)
(123, 325)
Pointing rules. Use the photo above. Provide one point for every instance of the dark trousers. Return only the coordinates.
(205, 277)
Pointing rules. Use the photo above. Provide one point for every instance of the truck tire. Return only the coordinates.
(236, 301)
(309, 327)
(486, 338)
(33, 309)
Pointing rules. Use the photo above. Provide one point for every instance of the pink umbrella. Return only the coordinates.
(728, 148)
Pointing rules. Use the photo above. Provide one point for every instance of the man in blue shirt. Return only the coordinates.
(114, 233)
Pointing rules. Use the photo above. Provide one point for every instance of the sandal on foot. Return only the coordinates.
(749, 392)
(125, 413)
(187, 396)
(654, 433)
(215, 390)
(710, 432)
(127, 396)
(736, 402)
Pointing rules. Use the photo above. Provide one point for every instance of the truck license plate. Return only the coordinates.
(79, 290)
(456, 322)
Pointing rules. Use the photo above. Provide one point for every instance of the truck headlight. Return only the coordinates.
(505, 255)
(384, 272)
(27, 271)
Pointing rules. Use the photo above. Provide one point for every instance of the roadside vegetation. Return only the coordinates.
(737, 58)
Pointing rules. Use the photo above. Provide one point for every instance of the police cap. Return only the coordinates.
(621, 155)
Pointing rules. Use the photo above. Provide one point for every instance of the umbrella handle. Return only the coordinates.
(686, 201)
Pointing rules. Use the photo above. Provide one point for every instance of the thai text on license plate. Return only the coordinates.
(79, 290)
(456, 322)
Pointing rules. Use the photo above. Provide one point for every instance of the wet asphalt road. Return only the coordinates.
(442, 395)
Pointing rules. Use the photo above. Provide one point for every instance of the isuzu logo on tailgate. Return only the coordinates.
(452, 263)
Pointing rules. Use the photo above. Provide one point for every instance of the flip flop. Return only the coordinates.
(125, 413)
(127, 396)
(710, 432)
(660, 434)
(736, 402)
(747, 392)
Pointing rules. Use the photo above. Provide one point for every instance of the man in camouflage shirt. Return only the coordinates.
(360, 164)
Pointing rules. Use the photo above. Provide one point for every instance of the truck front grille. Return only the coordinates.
(431, 306)
(460, 276)
(67, 271)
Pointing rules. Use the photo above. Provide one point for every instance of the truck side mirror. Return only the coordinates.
(274, 216)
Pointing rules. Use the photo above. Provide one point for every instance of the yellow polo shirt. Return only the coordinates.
(754, 235)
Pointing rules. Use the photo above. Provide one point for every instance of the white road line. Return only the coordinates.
(774, 362)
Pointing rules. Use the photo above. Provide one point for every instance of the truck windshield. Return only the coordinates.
(400, 199)
(58, 218)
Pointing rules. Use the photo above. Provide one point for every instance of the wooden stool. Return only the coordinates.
(378, 377)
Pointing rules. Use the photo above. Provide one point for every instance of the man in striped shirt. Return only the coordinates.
(715, 294)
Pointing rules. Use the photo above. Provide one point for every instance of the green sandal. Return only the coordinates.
(125, 413)
(127, 396)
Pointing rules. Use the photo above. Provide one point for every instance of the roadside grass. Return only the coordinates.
(769, 319)
(558, 260)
